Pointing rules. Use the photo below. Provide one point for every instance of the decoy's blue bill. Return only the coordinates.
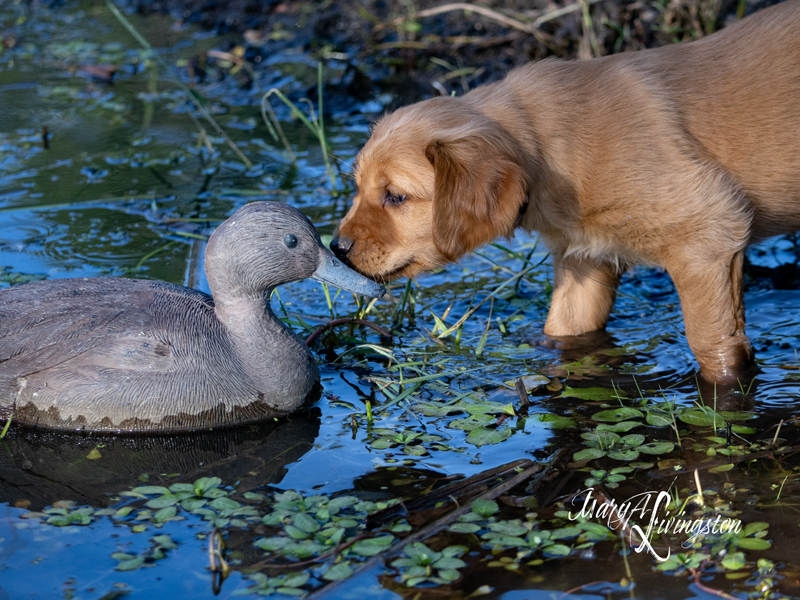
(334, 272)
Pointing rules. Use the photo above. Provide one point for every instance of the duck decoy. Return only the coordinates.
(119, 355)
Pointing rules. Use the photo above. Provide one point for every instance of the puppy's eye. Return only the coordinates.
(390, 198)
(290, 240)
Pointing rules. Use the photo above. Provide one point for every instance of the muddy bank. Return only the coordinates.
(431, 48)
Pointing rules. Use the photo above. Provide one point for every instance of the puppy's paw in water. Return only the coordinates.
(585, 343)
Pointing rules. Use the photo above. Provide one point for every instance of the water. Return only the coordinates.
(128, 187)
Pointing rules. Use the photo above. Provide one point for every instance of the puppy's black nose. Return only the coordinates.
(341, 246)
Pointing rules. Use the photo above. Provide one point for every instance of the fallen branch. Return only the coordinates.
(444, 521)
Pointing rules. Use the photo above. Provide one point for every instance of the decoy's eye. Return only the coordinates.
(392, 198)
(290, 240)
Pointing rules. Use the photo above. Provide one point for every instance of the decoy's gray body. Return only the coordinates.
(128, 355)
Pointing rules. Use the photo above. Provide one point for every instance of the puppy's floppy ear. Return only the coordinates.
(479, 189)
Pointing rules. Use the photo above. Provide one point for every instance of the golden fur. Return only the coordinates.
(677, 157)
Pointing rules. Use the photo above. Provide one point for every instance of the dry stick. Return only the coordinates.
(440, 523)
(481, 10)
(560, 12)
(320, 330)
(531, 28)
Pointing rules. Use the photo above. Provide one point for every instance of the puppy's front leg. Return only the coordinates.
(712, 299)
(583, 294)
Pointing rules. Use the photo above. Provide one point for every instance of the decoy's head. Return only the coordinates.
(265, 244)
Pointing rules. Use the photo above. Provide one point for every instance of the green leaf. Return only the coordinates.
(729, 415)
(464, 528)
(338, 571)
(418, 550)
(601, 439)
(721, 468)
(701, 418)
(192, 504)
(557, 550)
(455, 550)
(151, 489)
(306, 523)
(486, 437)
(297, 579)
(162, 501)
(290, 591)
(734, 561)
(742, 430)
(472, 422)
(182, 487)
(656, 447)
(632, 439)
(623, 413)
(623, 454)
(372, 546)
(589, 454)
(555, 421)
(449, 575)
(564, 533)
(271, 544)
(130, 565)
(755, 527)
(165, 513)
(658, 418)
(592, 393)
(485, 508)
(749, 543)
(617, 427)
(204, 484)
(296, 533)
(382, 444)
(165, 541)
(224, 503)
(449, 562)
(508, 528)
(341, 502)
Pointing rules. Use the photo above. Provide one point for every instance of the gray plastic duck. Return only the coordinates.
(130, 355)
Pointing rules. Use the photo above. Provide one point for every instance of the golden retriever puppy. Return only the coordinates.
(677, 157)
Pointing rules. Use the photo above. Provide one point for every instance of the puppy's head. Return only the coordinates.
(436, 180)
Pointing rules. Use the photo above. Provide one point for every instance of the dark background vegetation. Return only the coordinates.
(394, 46)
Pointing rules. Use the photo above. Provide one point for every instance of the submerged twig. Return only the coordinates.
(320, 330)
(696, 574)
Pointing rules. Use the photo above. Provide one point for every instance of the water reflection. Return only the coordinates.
(40, 468)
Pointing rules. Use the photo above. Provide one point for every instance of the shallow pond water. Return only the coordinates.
(126, 185)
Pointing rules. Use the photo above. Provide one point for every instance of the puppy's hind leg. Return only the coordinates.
(583, 295)
(712, 299)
